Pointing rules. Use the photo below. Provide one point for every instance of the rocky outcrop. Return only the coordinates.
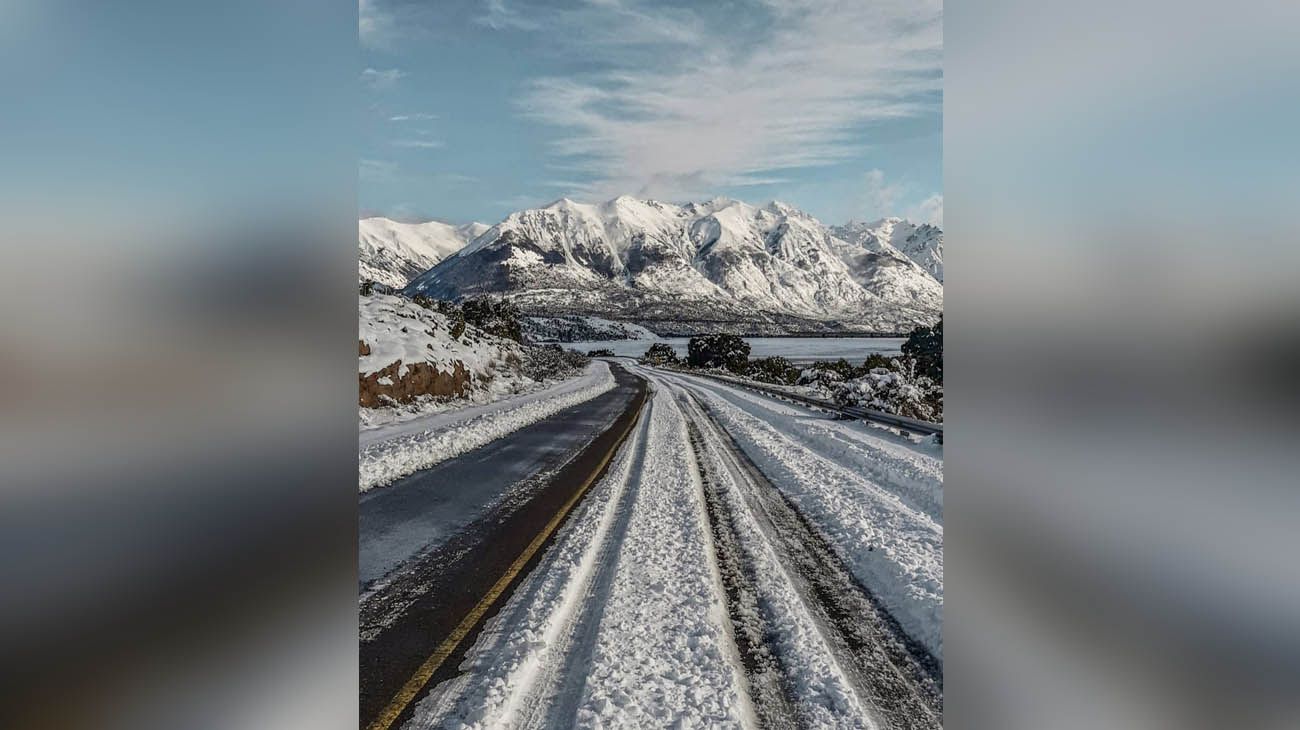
(421, 378)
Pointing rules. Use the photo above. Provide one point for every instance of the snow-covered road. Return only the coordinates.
(395, 450)
(715, 578)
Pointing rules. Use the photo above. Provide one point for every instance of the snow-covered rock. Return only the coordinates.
(922, 243)
(719, 265)
(407, 352)
(392, 253)
(899, 391)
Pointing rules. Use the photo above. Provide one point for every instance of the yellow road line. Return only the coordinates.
(426, 670)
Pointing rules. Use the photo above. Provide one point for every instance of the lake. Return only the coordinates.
(794, 349)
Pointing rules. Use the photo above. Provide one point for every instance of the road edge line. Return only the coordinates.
(413, 686)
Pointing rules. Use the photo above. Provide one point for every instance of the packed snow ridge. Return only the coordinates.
(625, 621)
(721, 261)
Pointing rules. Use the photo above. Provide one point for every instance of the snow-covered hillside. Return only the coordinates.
(413, 360)
(922, 243)
(720, 265)
(580, 328)
(393, 253)
(408, 353)
(431, 387)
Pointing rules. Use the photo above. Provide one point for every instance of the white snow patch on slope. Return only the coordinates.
(396, 329)
(393, 253)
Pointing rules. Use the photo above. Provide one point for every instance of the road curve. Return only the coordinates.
(693, 588)
(438, 549)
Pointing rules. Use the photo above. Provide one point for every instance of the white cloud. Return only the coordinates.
(881, 196)
(882, 201)
(456, 178)
(499, 17)
(412, 117)
(376, 26)
(381, 79)
(684, 104)
(929, 211)
(423, 144)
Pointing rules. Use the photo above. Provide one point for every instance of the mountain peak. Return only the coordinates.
(718, 260)
(392, 252)
(922, 243)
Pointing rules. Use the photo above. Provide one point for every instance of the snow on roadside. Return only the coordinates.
(912, 471)
(518, 656)
(395, 450)
(826, 697)
(891, 547)
(623, 624)
(395, 329)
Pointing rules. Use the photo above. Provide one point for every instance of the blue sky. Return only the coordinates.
(475, 108)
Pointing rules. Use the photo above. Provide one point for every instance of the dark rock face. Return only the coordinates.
(421, 378)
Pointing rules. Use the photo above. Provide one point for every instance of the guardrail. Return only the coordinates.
(923, 428)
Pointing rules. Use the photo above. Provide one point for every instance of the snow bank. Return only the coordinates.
(914, 472)
(623, 624)
(890, 541)
(395, 450)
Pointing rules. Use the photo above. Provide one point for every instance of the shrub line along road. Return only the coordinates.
(807, 643)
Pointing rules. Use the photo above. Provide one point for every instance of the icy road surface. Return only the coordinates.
(395, 450)
(742, 563)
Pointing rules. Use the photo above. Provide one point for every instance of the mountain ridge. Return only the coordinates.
(708, 266)
(920, 242)
(392, 253)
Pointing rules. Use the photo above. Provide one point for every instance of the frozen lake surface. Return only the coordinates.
(795, 349)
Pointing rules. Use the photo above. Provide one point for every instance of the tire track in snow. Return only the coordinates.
(865, 646)
(621, 624)
(520, 670)
(911, 474)
(663, 655)
(566, 678)
(630, 620)
(751, 613)
(890, 547)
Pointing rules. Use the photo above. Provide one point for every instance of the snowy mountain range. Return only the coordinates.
(921, 243)
(720, 265)
(393, 253)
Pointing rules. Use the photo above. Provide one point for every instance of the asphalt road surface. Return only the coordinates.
(438, 548)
